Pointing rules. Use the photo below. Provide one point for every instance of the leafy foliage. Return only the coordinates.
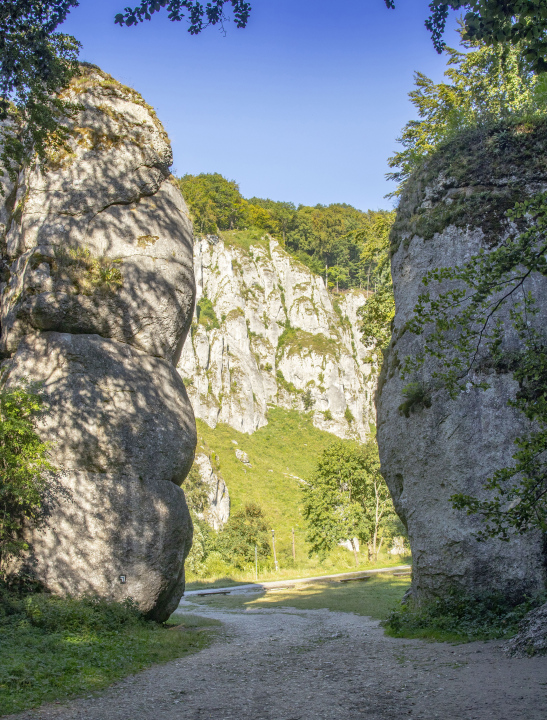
(245, 529)
(461, 617)
(24, 469)
(206, 313)
(199, 17)
(378, 312)
(36, 62)
(495, 23)
(464, 330)
(345, 245)
(485, 84)
(346, 498)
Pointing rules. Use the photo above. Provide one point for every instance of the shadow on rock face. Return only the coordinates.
(98, 298)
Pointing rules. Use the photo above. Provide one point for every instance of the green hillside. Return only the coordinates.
(281, 452)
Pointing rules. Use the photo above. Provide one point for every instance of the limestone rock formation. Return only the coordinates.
(275, 337)
(96, 306)
(531, 638)
(218, 510)
(450, 210)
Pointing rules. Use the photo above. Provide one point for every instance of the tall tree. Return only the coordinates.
(346, 498)
(495, 23)
(485, 84)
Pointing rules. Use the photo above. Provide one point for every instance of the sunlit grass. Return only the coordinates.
(282, 455)
(375, 597)
(41, 664)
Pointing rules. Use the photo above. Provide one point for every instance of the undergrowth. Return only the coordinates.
(87, 273)
(460, 618)
(52, 648)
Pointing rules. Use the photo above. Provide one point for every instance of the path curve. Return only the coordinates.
(287, 664)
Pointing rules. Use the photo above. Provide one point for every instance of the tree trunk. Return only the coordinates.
(354, 552)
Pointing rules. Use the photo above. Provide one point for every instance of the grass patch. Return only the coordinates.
(282, 455)
(460, 618)
(243, 239)
(375, 598)
(54, 648)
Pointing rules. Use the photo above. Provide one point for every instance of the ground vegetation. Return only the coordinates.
(53, 648)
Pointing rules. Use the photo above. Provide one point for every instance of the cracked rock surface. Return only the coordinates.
(96, 300)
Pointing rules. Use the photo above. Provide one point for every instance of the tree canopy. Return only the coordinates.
(347, 246)
(484, 85)
(346, 498)
(495, 23)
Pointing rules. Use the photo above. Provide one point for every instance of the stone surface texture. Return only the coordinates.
(218, 510)
(531, 638)
(96, 304)
(280, 340)
(455, 445)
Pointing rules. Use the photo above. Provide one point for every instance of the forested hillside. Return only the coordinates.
(337, 241)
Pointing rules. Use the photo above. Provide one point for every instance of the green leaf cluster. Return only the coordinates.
(346, 497)
(36, 63)
(485, 84)
(25, 471)
(495, 23)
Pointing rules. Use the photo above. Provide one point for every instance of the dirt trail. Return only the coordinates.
(286, 664)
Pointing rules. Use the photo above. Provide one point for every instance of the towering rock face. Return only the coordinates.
(451, 209)
(96, 305)
(272, 335)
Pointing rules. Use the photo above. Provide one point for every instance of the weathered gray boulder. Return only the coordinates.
(96, 305)
(531, 638)
(102, 242)
(451, 209)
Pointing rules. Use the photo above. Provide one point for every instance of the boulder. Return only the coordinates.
(531, 638)
(102, 242)
(97, 299)
(451, 209)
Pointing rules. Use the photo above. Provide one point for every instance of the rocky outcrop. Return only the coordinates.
(96, 306)
(453, 208)
(531, 638)
(217, 513)
(275, 336)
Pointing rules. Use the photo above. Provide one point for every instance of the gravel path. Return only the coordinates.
(286, 664)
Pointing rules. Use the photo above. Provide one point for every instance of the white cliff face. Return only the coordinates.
(218, 511)
(279, 340)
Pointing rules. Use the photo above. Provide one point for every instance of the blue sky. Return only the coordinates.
(304, 104)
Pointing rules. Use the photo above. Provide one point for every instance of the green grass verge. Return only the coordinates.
(285, 449)
(461, 618)
(376, 597)
(53, 648)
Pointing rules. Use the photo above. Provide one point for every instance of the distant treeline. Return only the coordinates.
(345, 244)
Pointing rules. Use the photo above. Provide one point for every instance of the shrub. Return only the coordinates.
(308, 400)
(206, 313)
(416, 397)
(487, 616)
(348, 415)
(244, 530)
(24, 469)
